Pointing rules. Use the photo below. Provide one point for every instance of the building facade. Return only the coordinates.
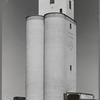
(62, 6)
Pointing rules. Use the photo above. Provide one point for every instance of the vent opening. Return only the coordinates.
(70, 26)
(52, 1)
(70, 4)
(60, 10)
(70, 67)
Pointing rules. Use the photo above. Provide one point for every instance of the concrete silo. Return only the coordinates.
(60, 56)
(34, 58)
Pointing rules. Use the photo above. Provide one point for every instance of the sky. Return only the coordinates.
(14, 14)
(86, 15)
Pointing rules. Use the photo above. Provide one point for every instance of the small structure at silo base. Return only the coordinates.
(19, 98)
(78, 96)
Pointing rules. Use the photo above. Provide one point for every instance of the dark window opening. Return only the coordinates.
(70, 26)
(73, 97)
(69, 4)
(70, 67)
(52, 1)
(60, 10)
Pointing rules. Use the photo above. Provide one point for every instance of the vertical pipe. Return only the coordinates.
(34, 58)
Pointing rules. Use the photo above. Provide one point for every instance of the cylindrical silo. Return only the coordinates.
(57, 56)
(55, 29)
(34, 58)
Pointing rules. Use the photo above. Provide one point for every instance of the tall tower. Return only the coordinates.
(62, 6)
(51, 51)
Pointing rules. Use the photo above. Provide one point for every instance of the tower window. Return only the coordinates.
(52, 1)
(60, 10)
(69, 4)
(70, 26)
(70, 67)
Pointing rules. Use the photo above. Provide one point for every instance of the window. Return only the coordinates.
(70, 26)
(52, 1)
(70, 67)
(60, 10)
(69, 4)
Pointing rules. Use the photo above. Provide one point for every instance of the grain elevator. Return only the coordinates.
(51, 51)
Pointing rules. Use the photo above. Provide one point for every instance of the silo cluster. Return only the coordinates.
(51, 56)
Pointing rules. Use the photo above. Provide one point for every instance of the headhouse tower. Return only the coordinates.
(62, 6)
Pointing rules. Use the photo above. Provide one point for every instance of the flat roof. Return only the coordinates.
(52, 14)
(34, 17)
(57, 14)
